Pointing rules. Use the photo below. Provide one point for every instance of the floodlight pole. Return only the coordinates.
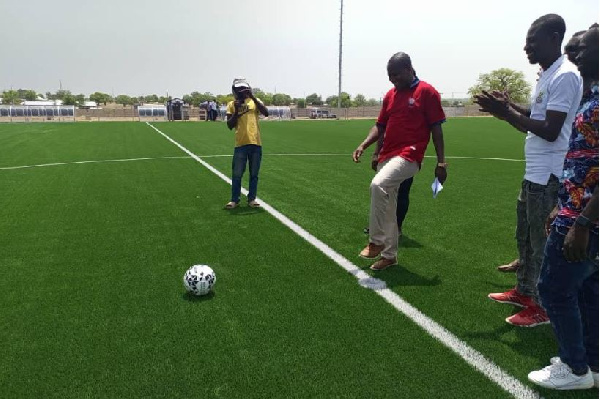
(339, 104)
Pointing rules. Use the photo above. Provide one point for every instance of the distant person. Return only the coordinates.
(548, 127)
(568, 282)
(411, 113)
(242, 115)
(212, 107)
(204, 105)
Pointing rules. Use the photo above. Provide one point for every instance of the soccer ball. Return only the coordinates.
(199, 279)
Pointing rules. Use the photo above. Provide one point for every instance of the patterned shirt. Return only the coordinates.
(580, 174)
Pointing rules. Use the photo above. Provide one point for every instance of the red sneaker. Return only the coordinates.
(529, 317)
(513, 297)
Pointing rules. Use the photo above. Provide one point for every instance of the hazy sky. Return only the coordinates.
(139, 47)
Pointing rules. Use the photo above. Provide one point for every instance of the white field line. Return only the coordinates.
(470, 355)
(222, 156)
(84, 162)
(350, 155)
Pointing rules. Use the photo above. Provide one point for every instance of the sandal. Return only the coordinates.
(231, 205)
(253, 204)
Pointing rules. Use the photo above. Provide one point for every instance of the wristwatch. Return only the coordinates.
(442, 165)
(583, 221)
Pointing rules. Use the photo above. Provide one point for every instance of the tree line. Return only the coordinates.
(503, 79)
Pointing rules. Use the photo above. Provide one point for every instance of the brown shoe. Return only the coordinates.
(371, 251)
(511, 267)
(383, 264)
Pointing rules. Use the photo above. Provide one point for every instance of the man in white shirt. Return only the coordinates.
(548, 128)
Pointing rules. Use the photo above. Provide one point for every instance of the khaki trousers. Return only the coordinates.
(383, 226)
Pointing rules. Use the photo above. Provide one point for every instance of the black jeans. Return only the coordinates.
(403, 201)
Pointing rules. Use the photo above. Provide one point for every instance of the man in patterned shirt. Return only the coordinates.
(568, 284)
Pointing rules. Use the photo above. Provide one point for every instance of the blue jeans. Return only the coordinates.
(253, 154)
(569, 293)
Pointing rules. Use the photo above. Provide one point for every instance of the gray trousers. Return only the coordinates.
(534, 204)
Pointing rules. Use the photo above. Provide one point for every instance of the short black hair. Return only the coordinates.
(401, 59)
(551, 23)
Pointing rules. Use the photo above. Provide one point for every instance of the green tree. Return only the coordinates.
(11, 97)
(69, 99)
(504, 80)
(314, 99)
(80, 99)
(266, 98)
(300, 102)
(196, 98)
(124, 99)
(360, 100)
(224, 98)
(281, 99)
(100, 98)
(152, 98)
(30, 95)
(346, 102)
(61, 94)
(372, 102)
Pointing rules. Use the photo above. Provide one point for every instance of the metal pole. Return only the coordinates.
(339, 104)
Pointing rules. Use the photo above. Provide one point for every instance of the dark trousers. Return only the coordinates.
(403, 201)
(535, 203)
(569, 294)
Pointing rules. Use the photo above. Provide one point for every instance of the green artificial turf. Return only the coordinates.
(93, 257)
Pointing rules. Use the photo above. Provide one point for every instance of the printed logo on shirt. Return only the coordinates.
(540, 98)
(411, 102)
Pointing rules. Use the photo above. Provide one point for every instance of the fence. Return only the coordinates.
(129, 113)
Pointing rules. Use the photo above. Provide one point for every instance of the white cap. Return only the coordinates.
(240, 82)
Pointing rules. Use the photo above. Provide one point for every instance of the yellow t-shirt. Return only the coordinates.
(246, 130)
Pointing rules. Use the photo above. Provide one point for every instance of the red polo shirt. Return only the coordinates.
(408, 116)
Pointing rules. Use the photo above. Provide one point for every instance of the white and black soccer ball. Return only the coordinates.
(199, 279)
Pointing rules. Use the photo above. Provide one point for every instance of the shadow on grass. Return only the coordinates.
(244, 210)
(195, 298)
(399, 276)
(407, 242)
(529, 342)
(500, 287)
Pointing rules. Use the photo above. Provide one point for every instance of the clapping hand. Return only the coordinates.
(495, 103)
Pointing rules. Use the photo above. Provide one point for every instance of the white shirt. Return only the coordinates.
(559, 88)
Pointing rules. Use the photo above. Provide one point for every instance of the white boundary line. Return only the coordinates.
(470, 355)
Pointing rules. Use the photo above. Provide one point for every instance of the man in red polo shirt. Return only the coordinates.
(411, 113)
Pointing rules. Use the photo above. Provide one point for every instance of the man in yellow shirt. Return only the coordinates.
(242, 114)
